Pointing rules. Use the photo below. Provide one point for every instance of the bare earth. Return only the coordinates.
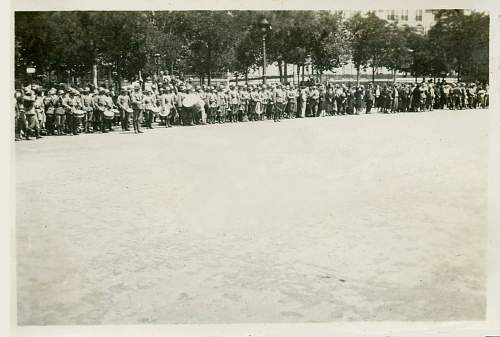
(371, 217)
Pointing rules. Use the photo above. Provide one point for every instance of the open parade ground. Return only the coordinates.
(371, 217)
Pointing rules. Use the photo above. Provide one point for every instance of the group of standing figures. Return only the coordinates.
(70, 111)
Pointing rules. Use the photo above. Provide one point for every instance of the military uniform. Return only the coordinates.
(88, 109)
(123, 102)
(279, 99)
(137, 103)
(234, 101)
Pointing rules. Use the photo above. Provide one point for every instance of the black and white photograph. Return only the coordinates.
(250, 166)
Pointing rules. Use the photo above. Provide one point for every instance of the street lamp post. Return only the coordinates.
(265, 26)
(157, 63)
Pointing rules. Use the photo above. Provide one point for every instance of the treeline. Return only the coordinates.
(124, 44)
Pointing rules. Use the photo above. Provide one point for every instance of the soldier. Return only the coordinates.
(149, 107)
(49, 102)
(255, 102)
(60, 112)
(314, 96)
(181, 94)
(20, 117)
(123, 103)
(358, 99)
(40, 109)
(33, 126)
(212, 105)
(291, 105)
(221, 105)
(234, 101)
(279, 99)
(245, 104)
(110, 105)
(137, 103)
(369, 98)
(270, 102)
(87, 106)
(395, 99)
(170, 100)
(202, 116)
(69, 106)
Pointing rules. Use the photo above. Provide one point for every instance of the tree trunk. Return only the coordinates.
(246, 76)
(280, 68)
(303, 68)
(394, 76)
(298, 74)
(209, 63)
(94, 75)
(357, 75)
(373, 75)
(285, 68)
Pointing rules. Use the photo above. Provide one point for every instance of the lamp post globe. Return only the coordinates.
(264, 26)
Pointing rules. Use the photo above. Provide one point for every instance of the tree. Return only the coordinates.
(367, 42)
(328, 49)
(397, 56)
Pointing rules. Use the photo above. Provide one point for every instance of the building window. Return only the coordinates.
(418, 16)
(391, 15)
(404, 15)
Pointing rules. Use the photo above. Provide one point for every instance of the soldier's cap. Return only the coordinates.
(86, 89)
(52, 91)
(161, 89)
(60, 91)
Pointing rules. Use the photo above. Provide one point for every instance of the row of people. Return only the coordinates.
(60, 112)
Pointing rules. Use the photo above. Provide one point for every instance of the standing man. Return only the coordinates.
(279, 99)
(221, 105)
(234, 101)
(87, 107)
(369, 98)
(123, 103)
(32, 123)
(149, 107)
(40, 109)
(137, 103)
(291, 96)
(212, 105)
(60, 112)
(49, 102)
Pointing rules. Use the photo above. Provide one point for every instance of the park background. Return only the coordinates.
(111, 49)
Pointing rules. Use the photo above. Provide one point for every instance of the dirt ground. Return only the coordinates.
(371, 217)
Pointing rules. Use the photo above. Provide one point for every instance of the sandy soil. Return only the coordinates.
(371, 217)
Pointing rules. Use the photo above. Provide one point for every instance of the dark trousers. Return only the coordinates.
(72, 122)
(148, 118)
(278, 111)
(369, 105)
(50, 124)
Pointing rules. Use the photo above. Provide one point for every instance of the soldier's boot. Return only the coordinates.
(37, 134)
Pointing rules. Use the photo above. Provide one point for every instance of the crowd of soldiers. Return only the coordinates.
(68, 111)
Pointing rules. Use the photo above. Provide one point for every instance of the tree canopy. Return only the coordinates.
(204, 43)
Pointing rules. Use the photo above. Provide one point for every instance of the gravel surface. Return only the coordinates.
(371, 217)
